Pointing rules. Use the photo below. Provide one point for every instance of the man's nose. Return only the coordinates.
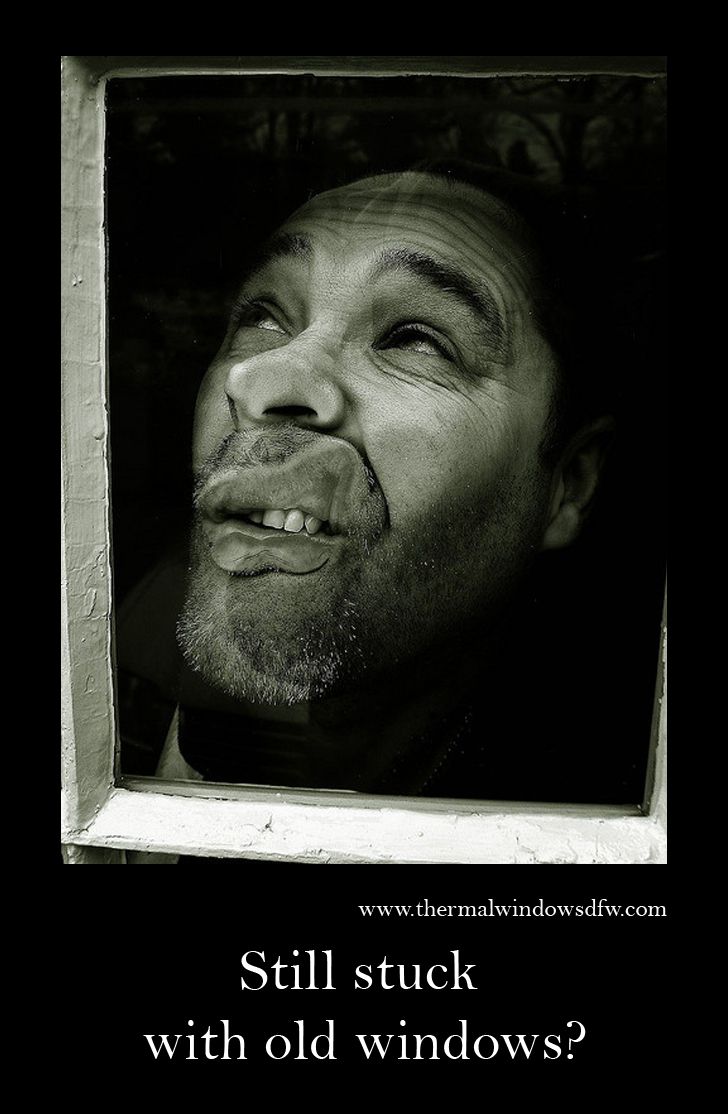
(294, 382)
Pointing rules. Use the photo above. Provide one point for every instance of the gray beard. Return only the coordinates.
(264, 639)
(257, 654)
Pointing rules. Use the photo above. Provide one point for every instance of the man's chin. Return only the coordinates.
(264, 639)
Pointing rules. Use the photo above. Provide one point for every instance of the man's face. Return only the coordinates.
(382, 375)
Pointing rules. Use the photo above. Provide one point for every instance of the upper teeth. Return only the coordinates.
(292, 521)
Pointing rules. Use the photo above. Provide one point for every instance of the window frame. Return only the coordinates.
(103, 815)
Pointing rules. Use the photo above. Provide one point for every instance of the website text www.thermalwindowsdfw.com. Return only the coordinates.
(595, 907)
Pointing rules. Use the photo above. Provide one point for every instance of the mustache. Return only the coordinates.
(285, 466)
(248, 449)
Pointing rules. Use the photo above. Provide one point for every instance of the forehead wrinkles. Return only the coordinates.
(448, 226)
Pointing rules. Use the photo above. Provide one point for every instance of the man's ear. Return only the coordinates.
(575, 482)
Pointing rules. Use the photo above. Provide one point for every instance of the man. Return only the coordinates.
(384, 446)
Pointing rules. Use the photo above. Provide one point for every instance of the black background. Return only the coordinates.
(177, 958)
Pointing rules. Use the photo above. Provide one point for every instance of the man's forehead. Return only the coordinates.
(408, 193)
(451, 220)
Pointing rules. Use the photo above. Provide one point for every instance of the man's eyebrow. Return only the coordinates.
(281, 245)
(450, 280)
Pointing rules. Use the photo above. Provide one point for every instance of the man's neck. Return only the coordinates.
(392, 732)
(389, 735)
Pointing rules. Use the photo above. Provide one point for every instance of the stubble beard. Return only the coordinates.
(262, 638)
(277, 640)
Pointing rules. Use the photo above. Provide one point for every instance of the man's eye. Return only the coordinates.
(265, 321)
(414, 339)
(254, 315)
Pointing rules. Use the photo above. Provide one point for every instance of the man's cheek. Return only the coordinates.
(436, 466)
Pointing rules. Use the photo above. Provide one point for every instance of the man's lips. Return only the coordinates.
(285, 469)
(277, 506)
(243, 539)
(240, 546)
(284, 499)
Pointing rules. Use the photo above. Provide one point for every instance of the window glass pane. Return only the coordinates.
(462, 368)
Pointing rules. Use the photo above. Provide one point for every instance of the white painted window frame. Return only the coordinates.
(103, 817)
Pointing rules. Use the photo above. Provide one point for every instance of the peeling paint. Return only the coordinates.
(332, 834)
(87, 702)
(89, 601)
